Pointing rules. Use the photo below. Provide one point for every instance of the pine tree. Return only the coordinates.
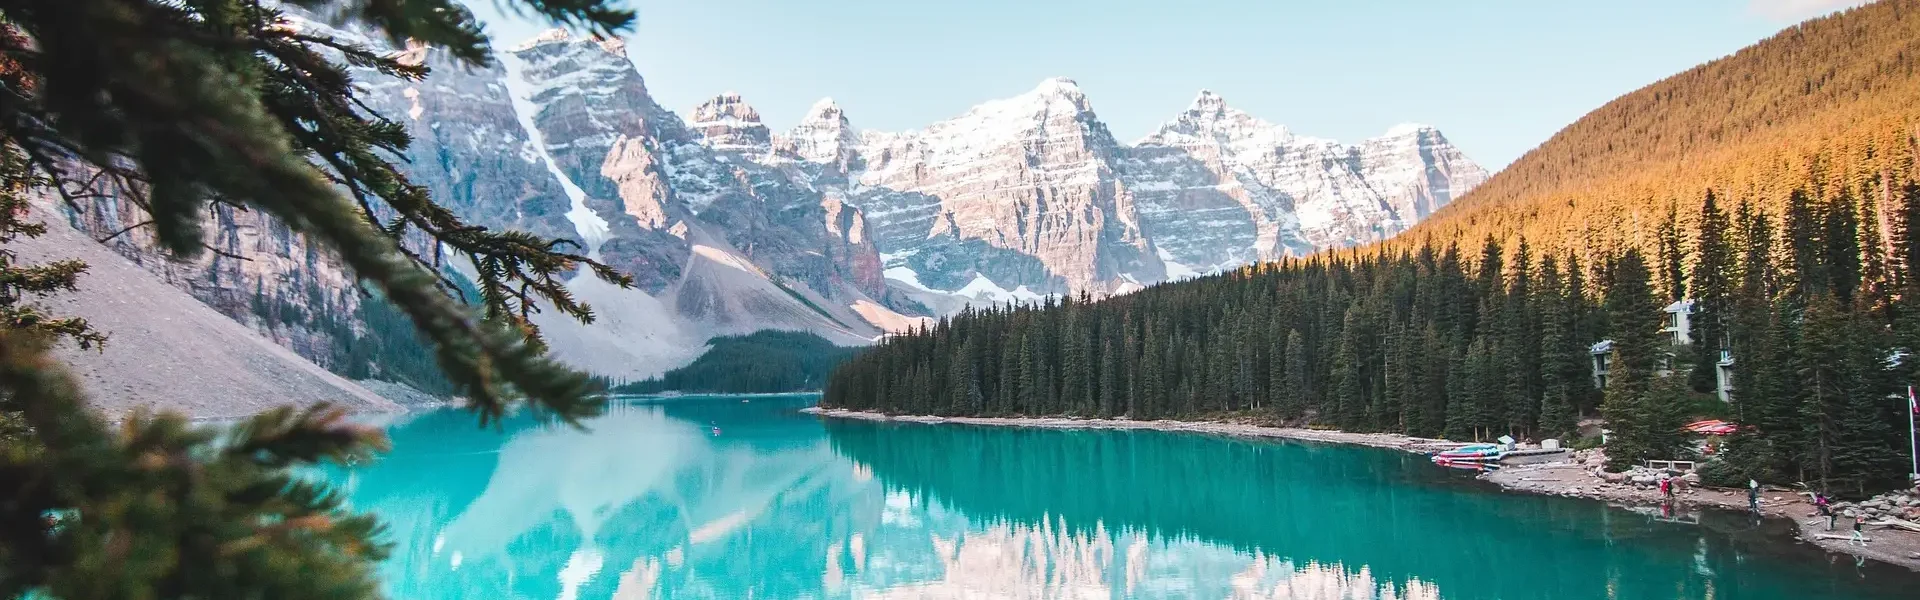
(1805, 237)
(1293, 401)
(1712, 294)
(1109, 379)
(1828, 379)
(1277, 395)
(1672, 259)
(1074, 363)
(1635, 324)
(1561, 356)
(963, 382)
(1028, 382)
(1436, 358)
(1872, 435)
(1458, 423)
(1348, 384)
(1520, 345)
(1153, 378)
(1874, 297)
(1840, 255)
(1584, 326)
(1399, 376)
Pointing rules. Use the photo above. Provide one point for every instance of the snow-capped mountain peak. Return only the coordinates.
(824, 110)
(824, 136)
(726, 122)
(1056, 90)
(1209, 120)
(1060, 86)
(549, 36)
(1416, 170)
(613, 46)
(1409, 129)
(1056, 95)
(1208, 102)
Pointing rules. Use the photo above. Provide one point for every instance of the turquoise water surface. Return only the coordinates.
(732, 498)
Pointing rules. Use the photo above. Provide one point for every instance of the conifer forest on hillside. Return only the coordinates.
(1473, 343)
(1774, 189)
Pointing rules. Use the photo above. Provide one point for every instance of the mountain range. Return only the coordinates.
(729, 227)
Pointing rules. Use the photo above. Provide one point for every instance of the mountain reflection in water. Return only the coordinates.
(650, 502)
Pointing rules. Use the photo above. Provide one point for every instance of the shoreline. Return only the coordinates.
(1567, 479)
(1391, 441)
(675, 395)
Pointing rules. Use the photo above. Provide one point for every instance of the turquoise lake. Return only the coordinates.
(744, 498)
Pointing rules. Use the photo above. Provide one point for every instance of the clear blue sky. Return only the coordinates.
(1497, 76)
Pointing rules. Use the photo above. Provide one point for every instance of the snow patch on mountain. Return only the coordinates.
(907, 276)
(985, 289)
(591, 227)
(1175, 270)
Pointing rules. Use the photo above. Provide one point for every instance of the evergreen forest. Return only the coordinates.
(1488, 340)
(763, 362)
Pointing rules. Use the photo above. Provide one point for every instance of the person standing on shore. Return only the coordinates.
(1753, 496)
(1825, 508)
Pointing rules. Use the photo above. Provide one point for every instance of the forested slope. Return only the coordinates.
(762, 362)
(1828, 106)
(1774, 188)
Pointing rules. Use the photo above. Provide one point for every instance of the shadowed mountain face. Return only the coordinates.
(712, 497)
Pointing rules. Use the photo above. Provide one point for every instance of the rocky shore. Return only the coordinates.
(1574, 478)
(1578, 478)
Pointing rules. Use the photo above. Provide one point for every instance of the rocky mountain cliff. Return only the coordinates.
(168, 349)
(1032, 195)
(730, 227)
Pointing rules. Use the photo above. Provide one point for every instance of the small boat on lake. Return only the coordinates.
(1467, 464)
(1473, 451)
(1481, 457)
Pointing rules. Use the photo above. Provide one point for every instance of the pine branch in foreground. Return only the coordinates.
(159, 508)
(181, 105)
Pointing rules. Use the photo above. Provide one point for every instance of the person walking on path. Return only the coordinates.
(1858, 537)
(1825, 508)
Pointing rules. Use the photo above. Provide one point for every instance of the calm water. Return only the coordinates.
(652, 503)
